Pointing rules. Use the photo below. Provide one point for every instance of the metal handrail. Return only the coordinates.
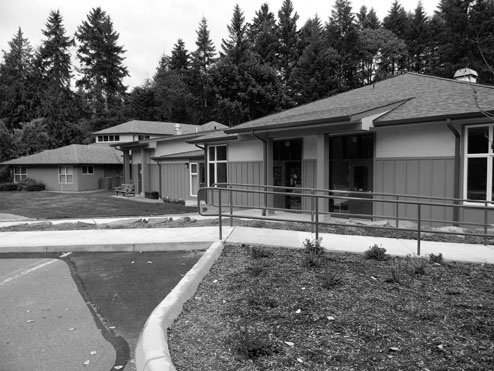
(314, 196)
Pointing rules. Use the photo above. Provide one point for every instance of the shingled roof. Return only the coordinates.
(73, 154)
(411, 97)
(149, 127)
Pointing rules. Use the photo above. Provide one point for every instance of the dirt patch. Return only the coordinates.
(270, 309)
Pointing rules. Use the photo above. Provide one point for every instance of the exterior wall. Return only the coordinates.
(172, 147)
(242, 151)
(308, 181)
(246, 173)
(175, 181)
(153, 185)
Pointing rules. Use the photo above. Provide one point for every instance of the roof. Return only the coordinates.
(149, 127)
(213, 136)
(415, 97)
(73, 154)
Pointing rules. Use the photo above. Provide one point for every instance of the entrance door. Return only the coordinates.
(287, 171)
(351, 169)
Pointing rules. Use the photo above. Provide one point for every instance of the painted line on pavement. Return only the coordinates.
(26, 272)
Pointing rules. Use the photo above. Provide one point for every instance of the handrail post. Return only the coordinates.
(419, 229)
(230, 199)
(485, 222)
(397, 211)
(317, 217)
(220, 224)
(312, 209)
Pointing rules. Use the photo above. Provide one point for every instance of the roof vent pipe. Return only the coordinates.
(178, 129)
(466, 74)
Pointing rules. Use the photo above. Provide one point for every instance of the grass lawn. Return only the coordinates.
(269, 309)
(52, 205)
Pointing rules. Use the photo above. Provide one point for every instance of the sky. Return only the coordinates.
(150, 28)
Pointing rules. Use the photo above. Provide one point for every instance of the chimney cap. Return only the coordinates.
(466, 74)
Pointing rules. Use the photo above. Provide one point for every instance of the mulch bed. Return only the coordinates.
(270, 309)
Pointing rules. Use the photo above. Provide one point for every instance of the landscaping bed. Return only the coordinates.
(266, 308)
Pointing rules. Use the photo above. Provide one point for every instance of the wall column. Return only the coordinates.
(268, 163)
(126, 167)
(144, 172)
(322, 167)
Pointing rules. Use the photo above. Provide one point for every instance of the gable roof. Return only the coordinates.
(149, 127)
(93, 154)
(410, 97)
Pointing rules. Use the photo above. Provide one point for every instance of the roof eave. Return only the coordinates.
(420, 120)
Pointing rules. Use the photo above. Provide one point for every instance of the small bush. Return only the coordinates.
(314, 251)
(438, 259)
(418, 266)
(330, 279)
(30, 185)
(8, 187)
(377, 253)
(250, 343)
(397, 271)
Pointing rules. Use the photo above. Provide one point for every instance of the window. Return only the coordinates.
(217, 164)
(65, 173)
(194, 178)
(479, 163)
(108, 138)
(87, 170)
(143, 137)
(20, 173)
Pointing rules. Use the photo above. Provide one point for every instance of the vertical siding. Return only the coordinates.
(308, 180)
(425, 177)
(246, 173)
(175, 181)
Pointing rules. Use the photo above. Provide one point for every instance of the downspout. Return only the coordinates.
(265, 165)
(159, 172)
(456, 186)
(205, 172)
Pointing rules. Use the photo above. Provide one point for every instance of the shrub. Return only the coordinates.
(438, 259)
(377, 253)
(250, 343)
(314, 251)
(418, 265)
(330, 279)
(30, 185)
(397, 271)
(8, 187)
(5, 175)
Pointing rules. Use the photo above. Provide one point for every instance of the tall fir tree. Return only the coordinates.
(101, 58)
(236, 47)
(200, 82)
(17, 91)
(398, 22)
(262, 33)
(288, 40)
(342, 36)
(367, 19)
(418, 40)
(179, 59)
(57, 100)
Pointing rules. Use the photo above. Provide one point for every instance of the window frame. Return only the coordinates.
(87, 172)
(489, 156)
(66, 174)
(215, 163)
(191, 176)
(21, 174)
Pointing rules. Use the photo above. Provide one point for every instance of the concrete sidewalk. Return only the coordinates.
(166, 239)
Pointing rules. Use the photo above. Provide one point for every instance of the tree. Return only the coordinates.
(367, 19)
(262, 34)
(200, 79)
(101, 58)
(31, 137)
(141, 103)
(315, 74)
(397, 20)
(342, 36)
(418, 39)
(55, 68)
(288, 39)
(236, 46)
(179, 60)
(16, 82)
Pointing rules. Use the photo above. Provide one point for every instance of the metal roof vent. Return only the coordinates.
(466, 74)
(178, 129)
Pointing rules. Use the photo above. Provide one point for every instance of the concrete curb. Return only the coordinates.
(152, 353)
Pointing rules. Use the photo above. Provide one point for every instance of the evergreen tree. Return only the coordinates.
(342, 35)
(397, 20)
(314, 77)
(367, 19)
(55, 76)
(141, 103)
(17, 98)
(101, 58)
(262, 35)
(236, 46)
(200, 82)
(288, 39)
(418, 40)
(179, 60)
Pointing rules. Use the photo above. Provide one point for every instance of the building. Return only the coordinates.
(72, 168)
(411, 134)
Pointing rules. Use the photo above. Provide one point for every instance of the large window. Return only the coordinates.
(20, 173)
(479, 154)
(65, 173)
(87, 170)
(217, 164)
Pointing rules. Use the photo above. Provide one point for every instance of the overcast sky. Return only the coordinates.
(150, 28)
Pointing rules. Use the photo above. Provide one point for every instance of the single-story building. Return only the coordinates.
(71, 168)
(168, 164)
(411, 134)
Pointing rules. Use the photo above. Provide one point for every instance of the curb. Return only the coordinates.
(152, 353)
